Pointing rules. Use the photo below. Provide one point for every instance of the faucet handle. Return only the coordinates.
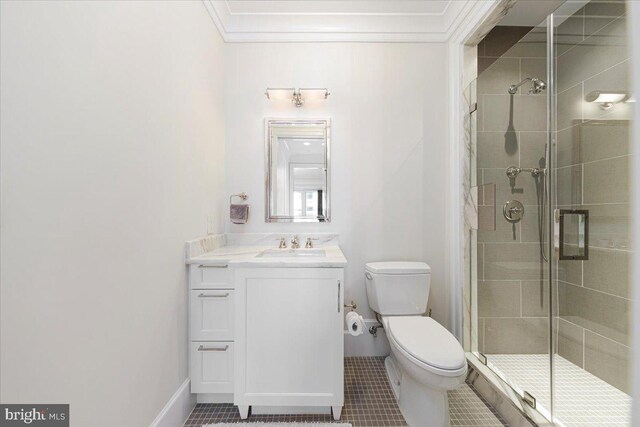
(283, 243)
(295, 243)
(309, 243)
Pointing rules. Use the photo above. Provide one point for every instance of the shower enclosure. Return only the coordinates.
(549, 252)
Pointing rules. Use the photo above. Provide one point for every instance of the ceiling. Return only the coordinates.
(345, 20)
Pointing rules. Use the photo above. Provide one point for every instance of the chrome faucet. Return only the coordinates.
(294, 243)
(283, 243)
(309, 243)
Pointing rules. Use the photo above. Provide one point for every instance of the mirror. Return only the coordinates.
(297, 170)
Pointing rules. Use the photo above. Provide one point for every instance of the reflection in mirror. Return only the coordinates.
(297, 165)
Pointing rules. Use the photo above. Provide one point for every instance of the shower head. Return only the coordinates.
(538, 86)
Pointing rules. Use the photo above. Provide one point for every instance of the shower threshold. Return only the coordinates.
(581, 398)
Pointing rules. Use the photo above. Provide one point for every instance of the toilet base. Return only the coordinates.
(421, 406)
(393, 375)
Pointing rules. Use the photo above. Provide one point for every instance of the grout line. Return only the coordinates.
(568, 89)
(627, 204)
(520, 131)
(544, 317)
(594, 161)
(606, 338)
(521, 312)
(585, 38)
(595, 290)
(595, 75)
(513, 57)
(583, 169)
(483, 262)
(584, 24)
(483, 114)
(582, 103)
(584, 347)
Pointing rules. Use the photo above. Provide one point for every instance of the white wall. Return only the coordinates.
(112, 157)
(389, 158)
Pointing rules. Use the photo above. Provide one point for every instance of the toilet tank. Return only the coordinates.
(398, 288)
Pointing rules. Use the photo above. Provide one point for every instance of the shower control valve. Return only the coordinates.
(513, 211)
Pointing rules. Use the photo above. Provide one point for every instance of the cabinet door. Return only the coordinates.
(211, 367)
(210, 277)
(292, 339)
(212, 315)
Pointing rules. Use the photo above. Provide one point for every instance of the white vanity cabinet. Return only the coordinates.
(289, 338)
(211, 330)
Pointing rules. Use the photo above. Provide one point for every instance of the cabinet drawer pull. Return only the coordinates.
(203, 348)
(213, 296)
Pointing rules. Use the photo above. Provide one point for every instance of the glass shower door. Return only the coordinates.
(512, 298)
(550, 252)
(590, 162)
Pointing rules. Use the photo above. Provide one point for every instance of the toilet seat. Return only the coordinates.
(427, 343)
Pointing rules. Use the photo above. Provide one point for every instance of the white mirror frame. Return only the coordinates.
(267, 166)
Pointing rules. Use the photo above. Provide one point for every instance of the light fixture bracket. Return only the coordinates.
(297, 99)
(299, 96)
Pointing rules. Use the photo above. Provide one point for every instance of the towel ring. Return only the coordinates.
(242, 196)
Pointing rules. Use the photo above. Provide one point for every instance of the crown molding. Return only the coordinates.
(424, 24)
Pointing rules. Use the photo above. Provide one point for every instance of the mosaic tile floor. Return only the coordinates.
(369, 402)
(582, 399)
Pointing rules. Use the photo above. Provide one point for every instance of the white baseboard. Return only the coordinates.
(178, 408)
(366, 345)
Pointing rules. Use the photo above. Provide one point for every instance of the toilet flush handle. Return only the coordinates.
(368, 275)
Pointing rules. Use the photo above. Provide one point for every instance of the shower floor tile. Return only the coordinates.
(368, 402)
(582, 399)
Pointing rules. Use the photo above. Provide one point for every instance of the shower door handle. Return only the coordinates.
(571, 234)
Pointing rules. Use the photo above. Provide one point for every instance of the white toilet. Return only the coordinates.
(426, 360)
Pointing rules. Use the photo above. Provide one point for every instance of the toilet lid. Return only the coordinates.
(428, 341)
(398, 267)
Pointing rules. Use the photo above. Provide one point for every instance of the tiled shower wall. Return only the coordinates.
(594, 153)
(593, 156)
(512, 296)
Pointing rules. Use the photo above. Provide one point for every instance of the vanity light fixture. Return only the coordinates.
(607, 99)
(297, 96)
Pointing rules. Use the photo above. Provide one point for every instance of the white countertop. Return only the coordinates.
(247, 256)
(243, 250)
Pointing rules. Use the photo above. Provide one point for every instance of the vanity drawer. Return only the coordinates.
(211, 367)
(209, 277)
(212, 315)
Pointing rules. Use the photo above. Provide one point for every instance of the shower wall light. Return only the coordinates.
(297, 96)
(607, 99)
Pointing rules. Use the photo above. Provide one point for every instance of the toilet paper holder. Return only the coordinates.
(352, 306)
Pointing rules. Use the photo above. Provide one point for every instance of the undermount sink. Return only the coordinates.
(293, 253)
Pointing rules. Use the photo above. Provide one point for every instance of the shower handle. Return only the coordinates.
(514, 171)
(513, 211)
